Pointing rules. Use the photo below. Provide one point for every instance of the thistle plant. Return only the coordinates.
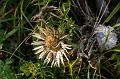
(50, 46)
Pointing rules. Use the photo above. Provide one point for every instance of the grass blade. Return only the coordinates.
(8, 35)
(112, 13)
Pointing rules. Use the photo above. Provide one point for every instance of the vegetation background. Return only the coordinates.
(17, 59)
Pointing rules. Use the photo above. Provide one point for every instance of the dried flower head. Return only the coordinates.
(50, 46)
(101, 34)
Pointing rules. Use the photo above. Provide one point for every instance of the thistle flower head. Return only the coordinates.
(50, 46)
(101, 34)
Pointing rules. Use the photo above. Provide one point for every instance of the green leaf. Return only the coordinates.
(8, 35)
(116, 25)
(1, 63)
(114, 57)
(116, 50)
(5, 70)
(5, 20)
(112, 13)
(25, 68)
(8, 61)
(66, 8)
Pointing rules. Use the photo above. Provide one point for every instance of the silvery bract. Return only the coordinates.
(101, 34)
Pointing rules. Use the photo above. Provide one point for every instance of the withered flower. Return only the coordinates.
(50, 46)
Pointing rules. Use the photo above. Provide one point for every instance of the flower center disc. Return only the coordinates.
(52, 43)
